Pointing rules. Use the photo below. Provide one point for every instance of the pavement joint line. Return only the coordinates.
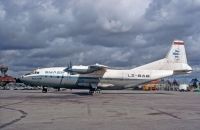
(23, 115)
(166, 113)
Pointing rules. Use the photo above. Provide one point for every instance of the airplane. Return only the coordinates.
(97, 77)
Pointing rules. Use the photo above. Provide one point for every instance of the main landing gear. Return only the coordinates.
(44, 90)
(93, 91)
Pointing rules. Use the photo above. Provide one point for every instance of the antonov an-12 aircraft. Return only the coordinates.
(96, 77)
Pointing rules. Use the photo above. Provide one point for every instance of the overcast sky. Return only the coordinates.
(117, 33)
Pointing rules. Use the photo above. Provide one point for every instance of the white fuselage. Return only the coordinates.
(116, 79)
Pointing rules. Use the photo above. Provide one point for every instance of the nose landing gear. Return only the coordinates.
(58, 88)
(44, 90)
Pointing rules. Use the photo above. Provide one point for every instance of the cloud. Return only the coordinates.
(123, 33)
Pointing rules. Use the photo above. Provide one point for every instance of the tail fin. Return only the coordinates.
(177, 53)
(175, 60)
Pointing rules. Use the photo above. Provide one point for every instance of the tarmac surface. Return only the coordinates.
(111, 110)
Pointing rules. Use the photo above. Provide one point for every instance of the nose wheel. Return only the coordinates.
(44, 90)
(58, 88)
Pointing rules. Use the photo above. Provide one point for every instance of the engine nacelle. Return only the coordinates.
(81, 69)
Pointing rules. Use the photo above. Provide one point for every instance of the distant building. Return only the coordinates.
(4, 78)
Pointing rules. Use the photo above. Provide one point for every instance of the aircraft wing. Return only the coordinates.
(86, 69)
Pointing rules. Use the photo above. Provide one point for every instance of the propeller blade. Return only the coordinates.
(69, 67)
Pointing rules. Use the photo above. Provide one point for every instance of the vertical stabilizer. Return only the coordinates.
(177, 53)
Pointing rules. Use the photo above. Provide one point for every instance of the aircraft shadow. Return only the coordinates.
(122, 93)
(85, 93)
(160, 93)
(81, 93)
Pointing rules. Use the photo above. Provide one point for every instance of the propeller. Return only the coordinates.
(70, 64)
(69, 68)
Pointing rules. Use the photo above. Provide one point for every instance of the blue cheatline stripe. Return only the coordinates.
(91, 78)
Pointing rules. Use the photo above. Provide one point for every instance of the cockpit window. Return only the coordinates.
(28, 74)
(33, 72)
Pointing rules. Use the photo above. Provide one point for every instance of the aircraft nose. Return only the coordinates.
(21, 79)
(18, 80)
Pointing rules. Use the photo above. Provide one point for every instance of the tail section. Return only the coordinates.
(175, 60)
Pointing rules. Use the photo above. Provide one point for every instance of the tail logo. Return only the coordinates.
(176, 54)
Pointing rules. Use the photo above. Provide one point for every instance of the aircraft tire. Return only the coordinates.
(44, 90)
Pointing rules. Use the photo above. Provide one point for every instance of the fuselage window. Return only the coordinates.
(143, 75)
(139, 75)
(58, 77)
(147, 76)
